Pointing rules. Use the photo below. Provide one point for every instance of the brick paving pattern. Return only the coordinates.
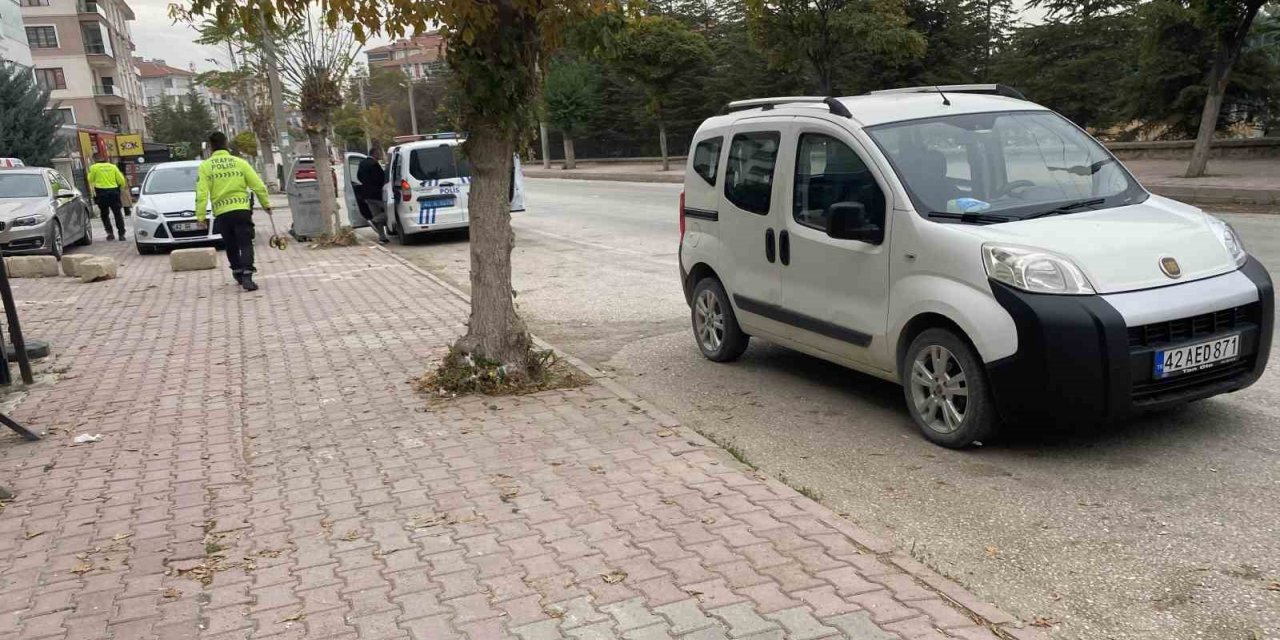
(266, 471)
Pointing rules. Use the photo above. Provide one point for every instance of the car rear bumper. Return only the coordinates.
(1079, 361)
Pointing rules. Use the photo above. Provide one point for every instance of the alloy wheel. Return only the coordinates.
(708, 319)
(939, 389)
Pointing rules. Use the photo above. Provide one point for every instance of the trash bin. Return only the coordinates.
(304, 199)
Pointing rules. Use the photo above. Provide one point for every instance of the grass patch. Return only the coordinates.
(465, 374)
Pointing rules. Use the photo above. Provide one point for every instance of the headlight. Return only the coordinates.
(1229, 239)
(30, 221)
(1034, 270)
(148, 214)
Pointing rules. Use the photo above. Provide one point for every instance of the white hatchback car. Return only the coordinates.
(980, 250)
(166, 209)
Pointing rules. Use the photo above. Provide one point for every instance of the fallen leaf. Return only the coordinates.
(1274, 586)
(992, 551)
(32, 534)
(171, 593)
(294, 618)
(554, 612)
(614, 577)
(708, 519)
(352, 535)
(121, 536)
(1044, 621)
(666, 433)
(82, 568)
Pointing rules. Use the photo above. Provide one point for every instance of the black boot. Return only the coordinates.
(246, 281)
(238, 276)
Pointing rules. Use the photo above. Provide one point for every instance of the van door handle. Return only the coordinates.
(784, 247)
(769, 251)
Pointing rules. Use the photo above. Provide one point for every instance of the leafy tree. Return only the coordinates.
(831, 35)
(380, 125)
(245, 143)
(571, 97)
(28, 121)
(1227, 23)
(656, 51)
(186, 122)
(348, 126)
(495, 48)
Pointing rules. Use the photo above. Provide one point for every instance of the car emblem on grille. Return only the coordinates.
(1170, 267)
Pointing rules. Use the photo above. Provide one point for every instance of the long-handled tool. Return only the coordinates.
(276, 241)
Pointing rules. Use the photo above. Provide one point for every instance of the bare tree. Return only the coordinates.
(315, 62)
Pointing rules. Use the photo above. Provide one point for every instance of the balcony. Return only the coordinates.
(89, 7)
(107, 94)
(99, 55)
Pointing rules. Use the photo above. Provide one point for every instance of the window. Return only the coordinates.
(1007, 166)
(168, 83)
(171, 180)
(34, 3)
(829, 172)
(67, 115)
(438, 163)
(51, 79)
(749, 176)
(23, 185)
(706, 159)
(42, 37)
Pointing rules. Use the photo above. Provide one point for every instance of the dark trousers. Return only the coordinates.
(108, 201)
(236, 229)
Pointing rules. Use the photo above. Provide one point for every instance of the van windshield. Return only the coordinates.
(985, 168)
(438, 163)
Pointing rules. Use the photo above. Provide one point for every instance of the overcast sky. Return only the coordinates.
(156, 37)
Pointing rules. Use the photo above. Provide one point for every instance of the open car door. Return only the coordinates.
(352, 166)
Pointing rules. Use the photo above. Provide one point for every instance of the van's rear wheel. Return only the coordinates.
(714, 326)
(947, 391)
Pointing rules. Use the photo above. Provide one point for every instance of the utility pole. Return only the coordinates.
(546, 145)
(413, 111)
(277, 95)
(364, 115)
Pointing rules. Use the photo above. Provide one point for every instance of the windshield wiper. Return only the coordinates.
(973, 217)
(1066, 208)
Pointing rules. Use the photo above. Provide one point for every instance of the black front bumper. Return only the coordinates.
(1079, 364)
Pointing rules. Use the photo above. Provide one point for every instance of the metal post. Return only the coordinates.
(412, 110)
(15, 328)
(364, 115)
(546, 145)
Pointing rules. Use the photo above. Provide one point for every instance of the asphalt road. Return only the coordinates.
(1165, 528)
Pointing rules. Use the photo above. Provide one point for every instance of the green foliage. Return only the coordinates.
(834, 37)
(186, 122)
(571, 94)
(27, 121)
(348, 126)
(245, 143)
(656, 52)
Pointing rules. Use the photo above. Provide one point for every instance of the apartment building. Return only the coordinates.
(83, 51)
(419, 57)
(13, 37)
(163, 82)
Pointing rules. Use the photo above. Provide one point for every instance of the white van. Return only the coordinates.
(428, 186)
(980, 250)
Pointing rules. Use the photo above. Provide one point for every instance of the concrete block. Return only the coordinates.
(95, 269)
(32, 266)
(193, 259)
(72, 262)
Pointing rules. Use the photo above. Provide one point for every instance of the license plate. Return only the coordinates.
(189, 226)
(1197, 357)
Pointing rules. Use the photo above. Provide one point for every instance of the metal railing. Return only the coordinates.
(97, 48)
(106, 90)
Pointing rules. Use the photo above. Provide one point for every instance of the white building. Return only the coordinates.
(163, 82)
(82, 50)
(13, 37)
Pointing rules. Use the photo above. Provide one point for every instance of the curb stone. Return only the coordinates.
(995, 619)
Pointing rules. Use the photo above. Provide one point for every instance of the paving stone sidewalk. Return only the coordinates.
(266, 471)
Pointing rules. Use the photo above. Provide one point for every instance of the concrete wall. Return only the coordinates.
(1243, 149)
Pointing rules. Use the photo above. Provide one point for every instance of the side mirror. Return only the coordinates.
(850, 221)
(134, 191)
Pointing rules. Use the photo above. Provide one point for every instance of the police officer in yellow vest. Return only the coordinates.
(106, 183)
(226, 180)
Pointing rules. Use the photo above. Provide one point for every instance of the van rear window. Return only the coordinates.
(438, 163)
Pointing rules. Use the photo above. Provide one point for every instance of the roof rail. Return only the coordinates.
(835, 106)
(983, 89)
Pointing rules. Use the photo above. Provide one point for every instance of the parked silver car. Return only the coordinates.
(41, 213)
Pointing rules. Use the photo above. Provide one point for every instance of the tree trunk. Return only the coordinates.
(546, 145)
(1229, 46)
(324, 178)
(570, 158)
(662, 145)
(494, 332)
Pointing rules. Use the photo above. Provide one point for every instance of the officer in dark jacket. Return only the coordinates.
(369, 191)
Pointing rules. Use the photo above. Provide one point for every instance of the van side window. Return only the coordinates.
(749, 176)
(706, 159)
(829, 172)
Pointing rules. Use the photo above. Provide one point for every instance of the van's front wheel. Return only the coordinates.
(714, 325)
(947, 391)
